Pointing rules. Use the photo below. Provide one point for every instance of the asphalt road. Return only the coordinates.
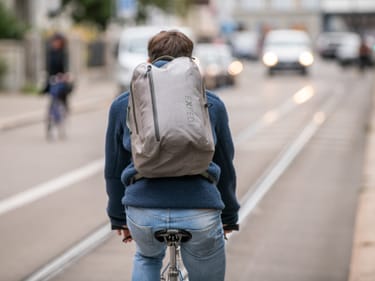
(299, 152)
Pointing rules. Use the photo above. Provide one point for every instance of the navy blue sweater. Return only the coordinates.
(189, 192)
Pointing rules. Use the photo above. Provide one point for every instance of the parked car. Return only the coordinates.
(348, 51)
(245, 44)
(287, 50)
(132, 50)
(329, 42)
(217, 65)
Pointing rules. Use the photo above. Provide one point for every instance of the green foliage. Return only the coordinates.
(3, 70)
(10, 26)
(177, 7)
(30, 89)
(98, 12)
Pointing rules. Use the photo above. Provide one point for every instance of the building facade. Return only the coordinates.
(311, 15)
(263, 15)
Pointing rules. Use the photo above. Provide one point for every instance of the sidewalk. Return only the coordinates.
(363, 255)
(92, 89)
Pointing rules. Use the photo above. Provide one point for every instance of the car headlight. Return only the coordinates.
(270, 59)
(306, 58)
(235, 68)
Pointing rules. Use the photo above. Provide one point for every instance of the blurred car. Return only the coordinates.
(287, 50)
(245, 44)
(329, 42)
(132, 50)
(348, 51)
(217, 65)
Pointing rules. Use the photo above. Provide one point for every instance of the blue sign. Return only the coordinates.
(126, 8)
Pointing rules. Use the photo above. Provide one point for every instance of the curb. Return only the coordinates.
(362, 266)
(33, 117)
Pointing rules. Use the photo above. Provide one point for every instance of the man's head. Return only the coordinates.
(169, 43)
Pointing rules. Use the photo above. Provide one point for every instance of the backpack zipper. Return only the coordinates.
(133, 109)
(153, 101)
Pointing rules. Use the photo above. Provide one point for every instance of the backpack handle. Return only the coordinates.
(163, 57)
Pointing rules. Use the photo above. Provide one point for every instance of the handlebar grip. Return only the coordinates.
(234, 227)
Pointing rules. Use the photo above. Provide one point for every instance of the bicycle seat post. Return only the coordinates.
(173, 238)
(173, 271)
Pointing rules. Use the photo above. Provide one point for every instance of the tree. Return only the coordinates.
(98, 12)
(178, 7)
(10, 26)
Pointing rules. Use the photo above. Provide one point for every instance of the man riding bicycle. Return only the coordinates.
(202, 205)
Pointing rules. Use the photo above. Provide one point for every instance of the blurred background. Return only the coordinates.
(93, 30)
(297, 78)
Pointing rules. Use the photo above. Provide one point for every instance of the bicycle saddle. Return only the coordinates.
(173, 235)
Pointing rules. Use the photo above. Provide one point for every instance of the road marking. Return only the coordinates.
(69, 257)
(256, 192)
(99, 236)
(250, 200)
(51, 186)
(64, 181)
(300, 97)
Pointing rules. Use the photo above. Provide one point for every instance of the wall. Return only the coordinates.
(13, 53)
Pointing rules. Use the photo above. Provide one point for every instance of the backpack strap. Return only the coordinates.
(205, 175)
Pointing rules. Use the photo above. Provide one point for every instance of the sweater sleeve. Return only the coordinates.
(224, 154)
(116, 159)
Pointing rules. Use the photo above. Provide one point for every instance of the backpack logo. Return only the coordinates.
(189, 109)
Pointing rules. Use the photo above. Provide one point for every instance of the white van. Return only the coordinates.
(132, 50)
(287, 50)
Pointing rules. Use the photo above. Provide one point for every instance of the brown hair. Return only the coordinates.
(169, 43)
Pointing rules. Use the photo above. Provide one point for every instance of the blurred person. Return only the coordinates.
(137, 207)
(57, 61)
(364, 59)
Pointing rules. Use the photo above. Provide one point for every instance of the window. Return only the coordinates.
(252, 5)
(310, 4)
(283, 4)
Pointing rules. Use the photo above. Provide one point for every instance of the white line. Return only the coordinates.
(90, 169)
(256, 193)
(63, 261)
(57, 265)
(51, 186)
(300, 97)
(250, 201)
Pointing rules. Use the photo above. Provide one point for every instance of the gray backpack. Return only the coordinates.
(168, 119)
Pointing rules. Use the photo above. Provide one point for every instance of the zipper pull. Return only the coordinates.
(149, 67)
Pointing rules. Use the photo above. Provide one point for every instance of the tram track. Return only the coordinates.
(248, 201)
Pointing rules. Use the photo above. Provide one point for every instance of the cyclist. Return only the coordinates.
(138, 208)
(57, 61)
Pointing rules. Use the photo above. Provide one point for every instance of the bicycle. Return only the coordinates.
(174, 270)
(59, 88)
(56, 118)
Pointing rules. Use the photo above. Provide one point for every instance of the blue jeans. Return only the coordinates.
(203, 256)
